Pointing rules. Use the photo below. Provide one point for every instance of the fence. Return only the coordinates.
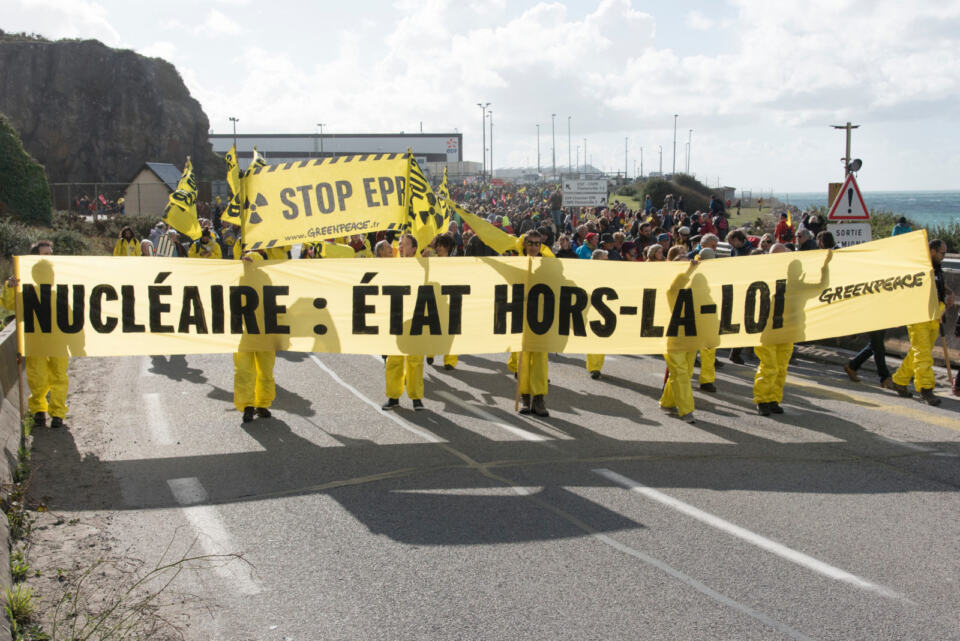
(141, 198)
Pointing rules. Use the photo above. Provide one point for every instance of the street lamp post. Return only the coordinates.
(675, 143)
(483, 126)
(578, 159)
(689, 148)
(553, 133)
(626, 143)
(490, 113)
(641, 162)
(661, 159)
(320, 126)
(538, 148)
(584, 155)
(234, 121)
(569, 147)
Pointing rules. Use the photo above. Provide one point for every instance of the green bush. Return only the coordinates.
(69, 242)
(658, 188)
(24, 190)
(110, 227)
(950, 234)
(15, 238)
(627, 190)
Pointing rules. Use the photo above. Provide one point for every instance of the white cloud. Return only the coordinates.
(218, 23)
(63, 19)
(698, 21)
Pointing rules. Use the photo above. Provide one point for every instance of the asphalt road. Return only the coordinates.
(609, 520)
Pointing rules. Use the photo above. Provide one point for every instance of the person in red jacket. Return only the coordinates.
(784, 232)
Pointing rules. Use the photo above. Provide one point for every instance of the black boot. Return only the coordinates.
(39, 419)
(249, 414)
(524, 403)
(263, 412)
(763, 409)
(929, 398)
(391, 404)
(540, 405)
(56, 421)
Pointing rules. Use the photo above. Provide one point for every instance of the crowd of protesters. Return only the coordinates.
(616, 232)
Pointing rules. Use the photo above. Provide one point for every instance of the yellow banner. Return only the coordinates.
(232, 212)
(315, 199)
(120, 306)
(181, 211)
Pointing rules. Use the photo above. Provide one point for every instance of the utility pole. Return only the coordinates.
(569, 147)
(584, 154)
(675, 143)
(641, 162)
(320, 125)
(578, 159)
(661, 159)
(236, 120)
(538, 148)
(626, 143)
(483, 126)
(490, 113)
(689, 148)
(553, 132)
(846, 159)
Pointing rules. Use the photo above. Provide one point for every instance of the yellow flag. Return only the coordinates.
(181, 211)
(257, 161)
(336, 250)
(497, 239)
(232, 213)
(422, 206)
(443, 195)
(789, 218)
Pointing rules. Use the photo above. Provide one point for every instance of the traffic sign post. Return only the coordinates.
(584, 193)
(849, 204)
(848, 234)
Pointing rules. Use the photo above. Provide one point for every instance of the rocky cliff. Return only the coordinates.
(91, 113)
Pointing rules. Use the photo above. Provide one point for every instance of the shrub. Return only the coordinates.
(627, 190)
(658, 188)
(111, 226)
(69, 242)
(15, 238)
(24, 189)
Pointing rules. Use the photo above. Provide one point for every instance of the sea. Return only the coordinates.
(926, 208)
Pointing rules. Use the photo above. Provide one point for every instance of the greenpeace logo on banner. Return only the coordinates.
(872, 287)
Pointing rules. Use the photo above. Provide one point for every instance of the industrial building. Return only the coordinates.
(433, 151)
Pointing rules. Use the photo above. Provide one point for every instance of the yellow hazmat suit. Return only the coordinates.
(127, 248)
(771, 373)
(45, 375)
(595, 362)
(253, 383)
(533, 378)
(708, 365)
(918, 363)
(677, 392)
(197, 250)
(404, 371)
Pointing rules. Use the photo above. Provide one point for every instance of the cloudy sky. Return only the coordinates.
(758, 82)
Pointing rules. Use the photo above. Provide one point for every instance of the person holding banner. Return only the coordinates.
(254, 388)
(918, 363)
(45, 375)
(404, 371)
(205, 246)
(444, 245)
(532, 366)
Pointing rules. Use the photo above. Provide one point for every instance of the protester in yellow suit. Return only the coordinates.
(708, 355)
(677, 393)
(771, 376)
(918, 363)
(205, 247)
(443, 246)
(254, 388)
(404, 371)
(595, 361)
(127, 245)
(46, 375)
(532, 366)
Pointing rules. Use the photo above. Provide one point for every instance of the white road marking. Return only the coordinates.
(750, 537)
(413, 429)
(213, 535)
(699, 586)
(157, 420)
(487, 416)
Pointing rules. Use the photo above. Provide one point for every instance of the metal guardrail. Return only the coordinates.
(949, 264)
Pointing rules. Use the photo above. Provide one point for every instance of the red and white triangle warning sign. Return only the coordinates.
(849, 204)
